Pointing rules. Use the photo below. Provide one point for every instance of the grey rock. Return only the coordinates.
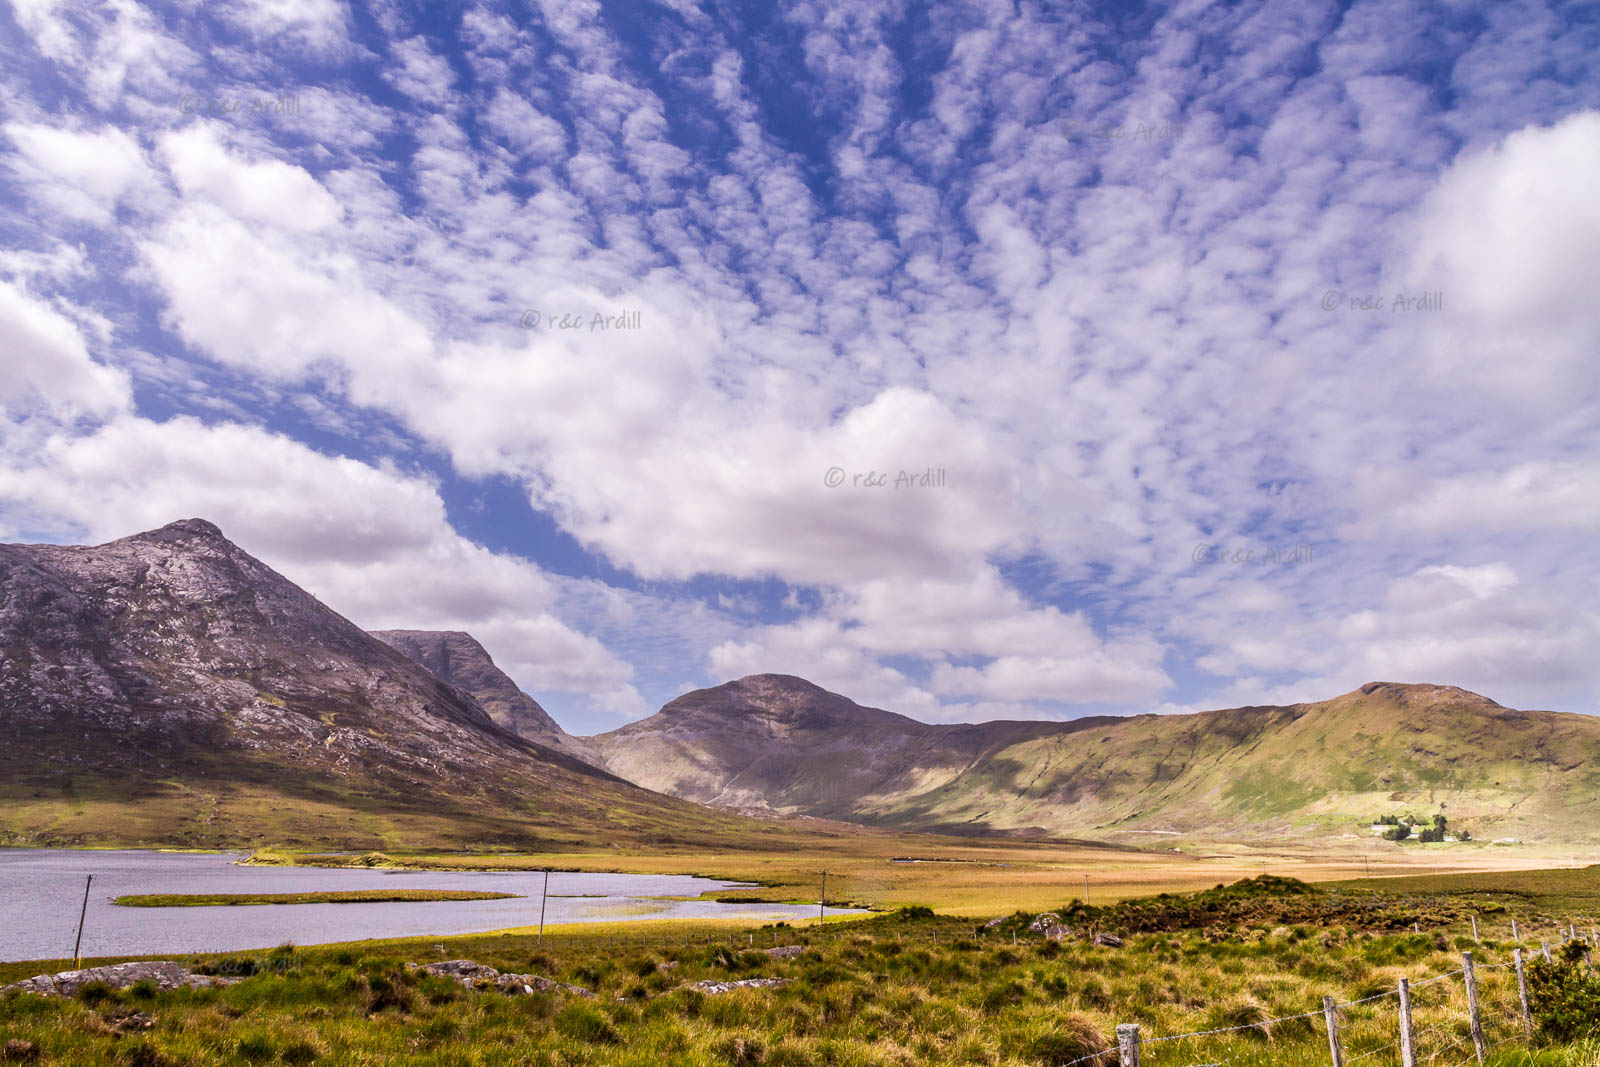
(743, 983)
(462, 970)
(1043, 922)
(166, 974)
(786, 952)
(1108, 940)
(481, 976)
(530, 983)
(992, 923)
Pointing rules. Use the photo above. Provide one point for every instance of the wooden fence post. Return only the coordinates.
(1128, 1044)
(1331, 1014)
(1408, 1036)
(1544, 946)
(1471, 978)
(1475, 938)
(1416, 928)
(1522, 994)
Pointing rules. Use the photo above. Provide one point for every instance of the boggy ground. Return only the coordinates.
(1252, 960)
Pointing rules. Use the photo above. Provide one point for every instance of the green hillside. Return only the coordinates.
(1307, 771)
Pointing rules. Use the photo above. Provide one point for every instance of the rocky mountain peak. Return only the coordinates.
(457, 657)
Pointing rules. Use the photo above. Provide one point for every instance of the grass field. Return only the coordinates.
(904, 988)
(985, 877)
(353, 896)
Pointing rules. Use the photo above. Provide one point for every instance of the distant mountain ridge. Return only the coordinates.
(169, 688)
(780, 743)
(773, 742)
(457, 658)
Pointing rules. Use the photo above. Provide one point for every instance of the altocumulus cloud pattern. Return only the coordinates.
(274, 264)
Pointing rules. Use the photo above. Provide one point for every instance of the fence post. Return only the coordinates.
(1331, 1014)
(1416, 928)
(1475, 929)
(1514, 935)
(1408, 1037)
(1544, 946)
(1471, 979)
(1128, 1044)
(1522, 994)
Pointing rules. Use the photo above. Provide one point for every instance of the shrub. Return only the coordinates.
(1564, 997)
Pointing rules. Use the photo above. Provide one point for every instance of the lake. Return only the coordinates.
(41, 892)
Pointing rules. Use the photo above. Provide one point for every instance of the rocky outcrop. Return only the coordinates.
(457, 658)
(710, 986)
(483, 977)
(1049, 924)
(165, 974)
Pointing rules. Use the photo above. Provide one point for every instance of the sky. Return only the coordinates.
(973, 360)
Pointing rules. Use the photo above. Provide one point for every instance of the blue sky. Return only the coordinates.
(1223, 354)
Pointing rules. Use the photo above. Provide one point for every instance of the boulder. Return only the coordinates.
(992, 923)
(166, 974)
(1041, 923)
(1108, 940)
(786, 952)
(1057, 932)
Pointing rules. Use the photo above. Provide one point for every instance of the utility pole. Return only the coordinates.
(82, 914)
(542, 898)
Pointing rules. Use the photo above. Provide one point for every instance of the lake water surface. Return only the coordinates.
(41, 892)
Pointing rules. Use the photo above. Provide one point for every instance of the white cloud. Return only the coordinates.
(376, 547)
(1511, 239)
(321, 25)
(268, 191)
(48, 365)
(81, 174)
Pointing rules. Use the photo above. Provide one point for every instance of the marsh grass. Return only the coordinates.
(352, 896)
(899, 989)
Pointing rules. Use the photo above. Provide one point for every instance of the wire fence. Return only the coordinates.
(1474, 1010)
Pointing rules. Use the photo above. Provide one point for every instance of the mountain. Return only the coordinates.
(1304, 771)
(774, 742)
(457, 658)
(168, 688)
